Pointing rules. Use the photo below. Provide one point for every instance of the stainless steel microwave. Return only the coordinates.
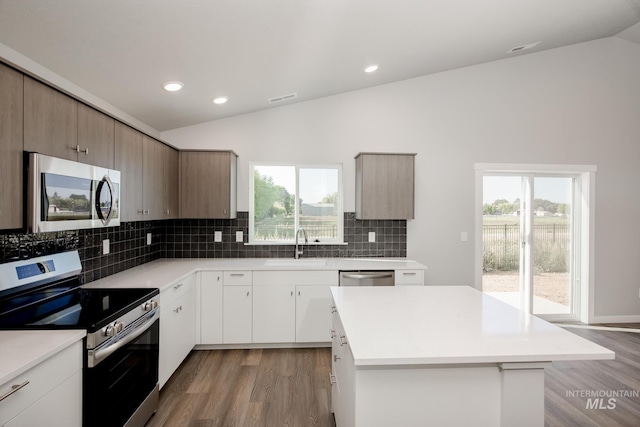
(66, 195)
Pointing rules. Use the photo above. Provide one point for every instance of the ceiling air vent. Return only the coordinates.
(283, 98)
(523, 47)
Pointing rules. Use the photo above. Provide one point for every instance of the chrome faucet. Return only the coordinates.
(298, 252)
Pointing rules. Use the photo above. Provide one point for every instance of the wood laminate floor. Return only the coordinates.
(290, 388)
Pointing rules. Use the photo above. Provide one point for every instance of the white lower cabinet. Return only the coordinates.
(409, 277)
(52, 395)
(236, 321)
(177, 325)
(274, 314)
(343, 398)
(211, 307)
(313, 319)
(237, 294)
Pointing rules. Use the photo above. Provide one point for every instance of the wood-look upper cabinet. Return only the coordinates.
(11, 159)
(171, 182)
(160, 180)
(50, 121)
(128, 160)
(385, 186)
(95, 137)
(208, 184)
(59, 126)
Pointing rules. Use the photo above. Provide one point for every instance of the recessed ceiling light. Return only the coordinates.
(371, 68)
(172, 86)
(220, 100)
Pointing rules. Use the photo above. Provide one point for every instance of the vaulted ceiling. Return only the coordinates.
(254, 50)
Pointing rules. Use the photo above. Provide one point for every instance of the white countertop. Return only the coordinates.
(22, 350)
(416, 325)
(164, 272)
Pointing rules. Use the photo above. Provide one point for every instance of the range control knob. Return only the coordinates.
(110, 331)
(119, 326)
(149, 305)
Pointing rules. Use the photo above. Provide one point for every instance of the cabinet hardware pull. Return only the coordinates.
(178, 309)
(291, 293)
(76, 148)
(333, 333)
(236, 274)
(332, 378)
(343, 340)
(14, 388)
(333, 309)
(298, 293)
(85, 151)
(336, 358)
(412, 273)
(178, 286)
(247, 293)
(140, 212)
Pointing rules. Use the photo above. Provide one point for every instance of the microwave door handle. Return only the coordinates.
(106, 180)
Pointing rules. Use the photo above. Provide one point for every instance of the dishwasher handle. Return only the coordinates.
(367, 275)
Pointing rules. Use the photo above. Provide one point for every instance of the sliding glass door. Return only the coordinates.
(528, 238)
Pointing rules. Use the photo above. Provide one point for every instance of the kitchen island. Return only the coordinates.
(442, 355)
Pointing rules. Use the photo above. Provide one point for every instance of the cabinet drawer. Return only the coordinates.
(233, 278)
(409, 277)
(176, 290)
(41, 379)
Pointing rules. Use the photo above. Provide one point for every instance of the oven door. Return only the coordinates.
(118, 381)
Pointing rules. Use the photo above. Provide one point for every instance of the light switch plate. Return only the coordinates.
(238, 236)
(217, 236)
(106, 247)
(149, 238)
(372, 237)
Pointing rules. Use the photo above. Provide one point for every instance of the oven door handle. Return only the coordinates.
(98, 355)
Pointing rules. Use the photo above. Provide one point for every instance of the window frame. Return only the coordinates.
(339, 201)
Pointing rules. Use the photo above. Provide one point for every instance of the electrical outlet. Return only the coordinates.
(372, 237)
(217, 236)
(106, 247)
(238, 236)
(149, 238)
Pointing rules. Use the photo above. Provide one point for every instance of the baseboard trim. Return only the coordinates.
(615, 319)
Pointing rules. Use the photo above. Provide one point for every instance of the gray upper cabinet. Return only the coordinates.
(95, 137)
(385, 186)
(11, 125)
(50, 121)
(208, 184)
(128, 160)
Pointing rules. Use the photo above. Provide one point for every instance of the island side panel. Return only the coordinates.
(417, 396)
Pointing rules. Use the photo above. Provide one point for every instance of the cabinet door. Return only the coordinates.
(153, 177)
(274, 314)
(385, 186)
(11, 158)
(207, 184)
(313, 313)
(177, 334)
(50, 121)
(128, 160)
(60, 407)
(95, 137)
(211, 307)
(170, 173)
(236, 322)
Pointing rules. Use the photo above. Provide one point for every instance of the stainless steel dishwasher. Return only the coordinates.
(367, 278)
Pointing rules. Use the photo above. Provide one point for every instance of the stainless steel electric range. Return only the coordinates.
(120, 372)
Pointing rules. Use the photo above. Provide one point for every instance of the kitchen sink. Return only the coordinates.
(304, 262)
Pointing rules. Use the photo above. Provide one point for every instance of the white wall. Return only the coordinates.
(573, 105)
